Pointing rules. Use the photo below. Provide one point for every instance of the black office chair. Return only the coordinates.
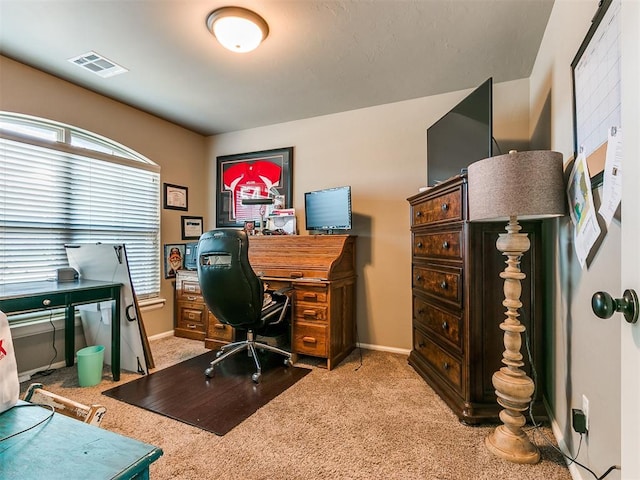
(236, 295)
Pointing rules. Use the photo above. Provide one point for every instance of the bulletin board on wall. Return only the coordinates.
(596, 71)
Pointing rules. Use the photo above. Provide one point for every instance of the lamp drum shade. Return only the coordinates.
(526, 185)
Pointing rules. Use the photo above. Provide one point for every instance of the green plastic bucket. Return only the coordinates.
(90, 361)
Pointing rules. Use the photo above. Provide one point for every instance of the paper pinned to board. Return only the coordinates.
(612, 181)
(582, 209)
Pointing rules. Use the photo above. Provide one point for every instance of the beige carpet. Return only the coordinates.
(379, 421)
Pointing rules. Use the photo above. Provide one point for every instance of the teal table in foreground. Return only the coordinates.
(47, 295)
(68, 449)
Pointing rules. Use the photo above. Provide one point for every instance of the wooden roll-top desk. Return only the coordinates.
(321, 269)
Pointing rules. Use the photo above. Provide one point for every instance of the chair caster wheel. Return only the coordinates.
(256, 377)
(209, 372)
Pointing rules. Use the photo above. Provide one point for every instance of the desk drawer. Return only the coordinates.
(441, 282)
(35, 302)
(310, 339)
(311, 294)
(191, 317)
(219, 331)
(310, 312)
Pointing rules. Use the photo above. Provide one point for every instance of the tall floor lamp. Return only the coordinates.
(518, 185)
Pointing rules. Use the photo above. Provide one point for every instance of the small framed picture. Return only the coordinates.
(191, 227)
(173, 259)
(176, 197)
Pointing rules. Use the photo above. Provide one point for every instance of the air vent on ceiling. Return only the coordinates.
(98, 64)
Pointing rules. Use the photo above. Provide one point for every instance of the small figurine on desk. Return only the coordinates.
(250, 227)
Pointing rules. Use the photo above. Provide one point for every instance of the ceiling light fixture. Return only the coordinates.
(237, 29)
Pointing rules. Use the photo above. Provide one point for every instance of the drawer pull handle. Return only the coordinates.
(445, 326)
(192, 299)
(309, 295)
(420, 311)
(446, 366)
(418, 213)
(219, 326)
(191, 326)
(421, 345)
(445, 207)
(309, 340)
(46, 302)
(443, 284)
(296, 275)
(445, 245)
(419, 245)
(310, 313)
(419, 278)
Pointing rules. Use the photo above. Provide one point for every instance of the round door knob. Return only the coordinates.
(604, 305)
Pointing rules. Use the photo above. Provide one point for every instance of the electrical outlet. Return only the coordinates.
(585, 410)
(578, 421)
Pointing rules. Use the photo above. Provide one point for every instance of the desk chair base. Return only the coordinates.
(251, 345)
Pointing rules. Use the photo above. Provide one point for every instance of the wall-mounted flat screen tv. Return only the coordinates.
(462, 136)
(328, 210)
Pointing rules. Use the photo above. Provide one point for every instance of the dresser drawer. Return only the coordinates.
(445, 207)
(446, 365)
(438, 245)
(310, 339)
(310, 312)
(442, 282)
(442, 323)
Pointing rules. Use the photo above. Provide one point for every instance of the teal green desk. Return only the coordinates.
(46, 295)
(64, 448)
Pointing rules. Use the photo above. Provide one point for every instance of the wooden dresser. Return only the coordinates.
(192, 317)
(457, 297)
(321, 270)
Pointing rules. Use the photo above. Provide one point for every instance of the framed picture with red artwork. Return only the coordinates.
(255, 175)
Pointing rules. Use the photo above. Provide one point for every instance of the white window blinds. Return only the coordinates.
(51, 197)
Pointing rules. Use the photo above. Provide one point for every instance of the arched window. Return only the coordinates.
(60, 185)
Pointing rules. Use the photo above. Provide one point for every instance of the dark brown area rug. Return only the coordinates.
(218, 404)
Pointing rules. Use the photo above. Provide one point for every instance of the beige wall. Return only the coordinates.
(583, 350)
(179, 152)
(381, 152)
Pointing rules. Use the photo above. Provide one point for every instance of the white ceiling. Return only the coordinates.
(320, 57)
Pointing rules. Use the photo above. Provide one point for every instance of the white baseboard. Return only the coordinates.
(168, 333)
(26, 376)
(382, 348)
